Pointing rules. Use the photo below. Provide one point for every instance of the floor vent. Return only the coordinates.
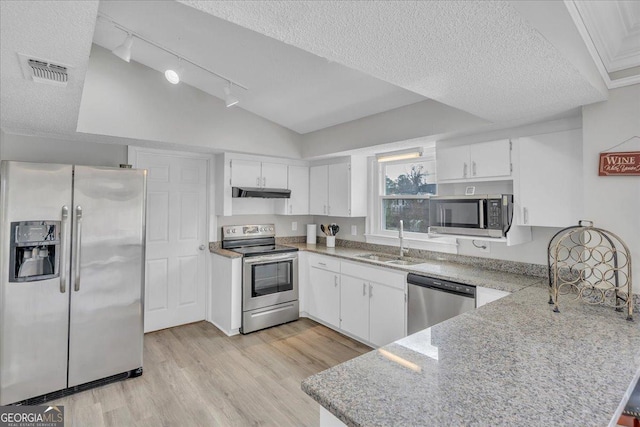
(43, 71)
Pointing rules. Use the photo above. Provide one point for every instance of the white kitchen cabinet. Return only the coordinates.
(298, 183)
(475, 162)
(452, 163)
(274, 175)
(354, 306)
(318, 190)
(323, 297)
(250, 173)
(487, 295)
(386, 314)
(246, 173)
(373, 303)
(339, 189)
(225, 300)
(547, 187)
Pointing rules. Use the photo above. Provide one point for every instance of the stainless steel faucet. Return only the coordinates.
(403, 250)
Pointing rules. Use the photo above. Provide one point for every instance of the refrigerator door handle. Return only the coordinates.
(63, 249)
(76, 261)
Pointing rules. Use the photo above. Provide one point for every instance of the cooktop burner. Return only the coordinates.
(264, 250)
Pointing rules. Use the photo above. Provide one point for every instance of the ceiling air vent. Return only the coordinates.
(43, 71)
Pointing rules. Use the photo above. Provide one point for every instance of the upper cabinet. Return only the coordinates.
(298, 183)
(474, 162)
(249, 173)
(339, 189)
(548, 182)
(240, 170)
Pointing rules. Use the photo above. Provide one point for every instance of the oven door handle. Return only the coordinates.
(269, 258)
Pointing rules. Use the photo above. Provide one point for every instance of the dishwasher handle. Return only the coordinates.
(461, 289)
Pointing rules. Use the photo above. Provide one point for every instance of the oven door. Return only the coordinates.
(268, 280)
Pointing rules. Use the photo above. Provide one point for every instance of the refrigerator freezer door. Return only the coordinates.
(33, 315)
(106, 323)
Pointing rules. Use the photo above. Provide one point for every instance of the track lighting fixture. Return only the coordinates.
(172, 75)
(124, 50)
(229, 99)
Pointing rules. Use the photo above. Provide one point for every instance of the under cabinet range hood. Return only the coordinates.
(263, 193)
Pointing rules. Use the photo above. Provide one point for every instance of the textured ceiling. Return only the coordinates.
(59, 32)
(482, 57)
(287, 85)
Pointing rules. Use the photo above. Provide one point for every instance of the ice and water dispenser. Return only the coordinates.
(35, 251)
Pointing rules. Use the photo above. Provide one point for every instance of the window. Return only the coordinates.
(403, 192)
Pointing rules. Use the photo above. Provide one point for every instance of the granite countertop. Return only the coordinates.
(509, 282)
(511, 362)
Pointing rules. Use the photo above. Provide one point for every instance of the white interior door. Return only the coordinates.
(176, 252)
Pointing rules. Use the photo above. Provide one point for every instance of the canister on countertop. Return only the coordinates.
(311, 234)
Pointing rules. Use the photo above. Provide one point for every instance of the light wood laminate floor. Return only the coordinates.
(194, 375)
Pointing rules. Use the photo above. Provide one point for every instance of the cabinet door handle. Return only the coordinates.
(335, 281)
(473, 168)
(258, 182)
(370, 290)
(364, 289)
(525, 214)
(264, 181)
(322, 264)
(464, 170)
(324, 209)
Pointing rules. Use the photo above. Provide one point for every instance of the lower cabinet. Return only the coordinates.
(372, 311)
(386, 314)
(354, 310)
(323, 298)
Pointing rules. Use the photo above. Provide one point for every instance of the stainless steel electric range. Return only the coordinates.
(269, 276)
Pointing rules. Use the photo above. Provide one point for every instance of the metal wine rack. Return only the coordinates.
(591, 265)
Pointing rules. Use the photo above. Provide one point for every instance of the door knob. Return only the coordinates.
(202, 247)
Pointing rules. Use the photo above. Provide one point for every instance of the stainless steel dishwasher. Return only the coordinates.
(432, 301)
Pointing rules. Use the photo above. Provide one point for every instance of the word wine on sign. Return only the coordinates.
(620, 163)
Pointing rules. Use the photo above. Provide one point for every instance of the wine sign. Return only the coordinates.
(620, 163)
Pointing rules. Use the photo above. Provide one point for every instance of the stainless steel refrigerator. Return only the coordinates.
(72, 278)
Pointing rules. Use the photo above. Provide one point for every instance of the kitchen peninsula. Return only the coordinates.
(511, 362)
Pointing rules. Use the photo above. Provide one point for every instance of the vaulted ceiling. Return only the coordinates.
(309, 65)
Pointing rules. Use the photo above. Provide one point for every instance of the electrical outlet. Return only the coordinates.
(294, 225)
(354, 230)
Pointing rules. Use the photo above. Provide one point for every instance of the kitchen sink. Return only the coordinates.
(401, 262)
(387, 259)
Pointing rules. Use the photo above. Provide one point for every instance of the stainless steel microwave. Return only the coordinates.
(486, 215)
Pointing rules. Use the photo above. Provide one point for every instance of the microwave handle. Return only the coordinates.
(482, 214)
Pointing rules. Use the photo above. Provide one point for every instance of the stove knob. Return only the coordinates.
(233, 230)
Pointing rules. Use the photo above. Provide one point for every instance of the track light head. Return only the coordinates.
(173, 76)
(229, 99)
(124, 50)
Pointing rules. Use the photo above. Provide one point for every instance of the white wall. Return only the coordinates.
(422, 119)
(133, 101)
(51, 150)
(613, 203)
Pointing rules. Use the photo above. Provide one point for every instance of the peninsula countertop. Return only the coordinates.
(511, 362)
